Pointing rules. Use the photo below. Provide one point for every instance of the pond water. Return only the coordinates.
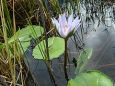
(103, 42)
(101, 38)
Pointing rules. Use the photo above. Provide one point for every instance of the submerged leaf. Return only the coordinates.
(83, 60)
(56, 48)
(91, 78)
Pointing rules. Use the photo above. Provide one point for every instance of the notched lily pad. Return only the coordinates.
(56, 48)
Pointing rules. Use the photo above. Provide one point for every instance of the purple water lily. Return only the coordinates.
(65, 26)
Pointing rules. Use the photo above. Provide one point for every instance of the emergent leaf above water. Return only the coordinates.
(83, 60)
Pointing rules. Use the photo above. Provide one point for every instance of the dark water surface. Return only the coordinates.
(103, 43)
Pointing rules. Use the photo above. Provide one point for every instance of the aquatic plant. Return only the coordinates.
(66, 27)
(91, 78)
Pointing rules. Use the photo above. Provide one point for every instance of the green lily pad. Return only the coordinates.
(16, 37)
(24, 46)
(91, 78)
(24, 34)
(83, 60)
(32, 30)
(56, 48)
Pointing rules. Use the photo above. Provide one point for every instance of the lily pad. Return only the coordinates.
(91, 78)
(24, 46)
(56, 48)
(16, 37)
(26, 34)
(83, 60)
(32, 30)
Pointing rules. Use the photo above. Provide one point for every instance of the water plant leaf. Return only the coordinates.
(16, 37)
(31, 30)
(56, 48)
(26, 34)
(24, 46)
(91, 78)
(1, 46)
(83, 60)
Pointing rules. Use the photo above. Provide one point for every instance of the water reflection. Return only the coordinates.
(100, 35)
(104, 53)
(102, 41)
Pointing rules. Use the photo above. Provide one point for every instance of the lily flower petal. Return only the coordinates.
(64, 27)
(62, 20)
(62, 34)
(54, 21)
(65, 33)
(75, 22)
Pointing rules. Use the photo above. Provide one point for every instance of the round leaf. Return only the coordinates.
(31, 30)
(91, 78)
(24, 34)
(24, 46)
(56, 48)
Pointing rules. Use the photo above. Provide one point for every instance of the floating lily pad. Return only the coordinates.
(32, 30)
(26, 34)
(83, 60)
(16, 37)
(91, 78)
(24, 46)
(56, 48)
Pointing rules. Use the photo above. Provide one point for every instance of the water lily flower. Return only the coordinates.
(64, 26)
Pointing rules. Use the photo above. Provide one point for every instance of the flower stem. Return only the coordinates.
(65, 61)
